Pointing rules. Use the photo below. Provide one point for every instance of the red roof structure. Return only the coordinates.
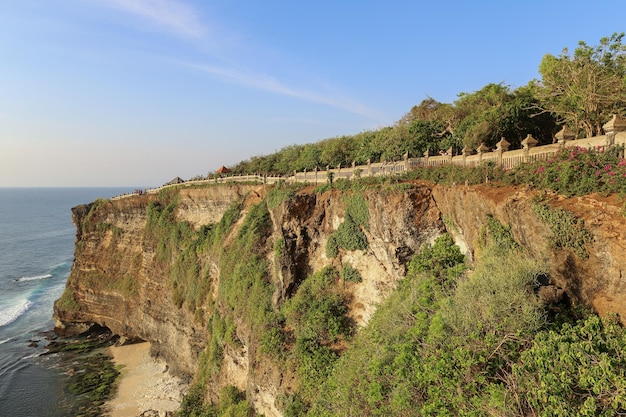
(223, 170)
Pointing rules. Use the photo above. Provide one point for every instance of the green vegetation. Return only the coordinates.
(564, 95)
(349, 235)
(578, 368)
(92, 376)
(316, 319)
(450, 174)
(479, 344)
(482, 116)
(449, 340)
(280, 193)
(349, 274)
(95, 382)
(185, 250)
(93, 209)
(566, 89)
(576, 171)
(232, 403)
(571, 172)
(568, 231)
(67, 301)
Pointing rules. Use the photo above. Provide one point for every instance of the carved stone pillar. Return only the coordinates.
(501, 147)
(612, 127)
(565, 135)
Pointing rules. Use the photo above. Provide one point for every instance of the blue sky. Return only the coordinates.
(136, 92)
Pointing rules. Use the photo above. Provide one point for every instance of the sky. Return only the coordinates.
(136, 92)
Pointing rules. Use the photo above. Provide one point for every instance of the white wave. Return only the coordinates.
(34, 278)
(4, 341)
(32, 355)
(9, 315)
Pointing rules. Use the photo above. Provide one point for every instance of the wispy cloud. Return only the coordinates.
(172, 15)
(182, 19)
(271, 84)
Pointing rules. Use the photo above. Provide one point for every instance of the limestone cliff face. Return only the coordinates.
(399, 223)
(117, 280)
(597, 281)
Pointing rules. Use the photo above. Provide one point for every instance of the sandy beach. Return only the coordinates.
(144, 384)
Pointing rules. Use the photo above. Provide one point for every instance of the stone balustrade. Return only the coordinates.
(615, 134)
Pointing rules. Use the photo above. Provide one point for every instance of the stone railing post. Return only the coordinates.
(565, 135)
(501, 147)
(426, 155)
(612, 127)
(527, 143)
(466, 152)
(304, 174)
(406, 162)
(449, 154)
(481, 150)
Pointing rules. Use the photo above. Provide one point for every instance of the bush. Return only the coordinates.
(578, 369)
(568, 231)
(439, 257)
(349, 235)
(349, 274)
(280, 193)
(576, 171)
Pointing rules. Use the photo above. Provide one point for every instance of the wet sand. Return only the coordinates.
(144, 384)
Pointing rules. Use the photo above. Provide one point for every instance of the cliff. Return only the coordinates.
(131, 269)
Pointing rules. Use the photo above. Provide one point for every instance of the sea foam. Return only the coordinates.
(34, 278)
(10, 314)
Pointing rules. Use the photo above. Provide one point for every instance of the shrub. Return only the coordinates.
(349, 235)
(280, 193)
(332, 246)
(67, 301)
(349, 274)
(578, 369)
(568, 231)
(576, 171)
(442, 256)
(317, 311)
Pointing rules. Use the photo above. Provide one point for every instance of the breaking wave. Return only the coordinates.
(34, 278)
(9, 315)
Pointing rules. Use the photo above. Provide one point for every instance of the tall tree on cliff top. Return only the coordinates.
(584, 89)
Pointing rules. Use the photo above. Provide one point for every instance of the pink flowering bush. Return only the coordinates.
(575, 171)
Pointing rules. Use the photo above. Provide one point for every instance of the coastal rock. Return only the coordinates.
(118, 281)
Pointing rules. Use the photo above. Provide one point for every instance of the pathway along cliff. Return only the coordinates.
(215, 277)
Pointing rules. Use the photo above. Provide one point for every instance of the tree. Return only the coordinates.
(480, 115)
(584, 89)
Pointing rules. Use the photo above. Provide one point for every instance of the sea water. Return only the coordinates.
(36, 253)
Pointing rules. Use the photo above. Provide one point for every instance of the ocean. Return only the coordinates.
(36, 253)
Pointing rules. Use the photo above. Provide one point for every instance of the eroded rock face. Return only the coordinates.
(399, 223)
(118, 283)
(596, 281)
(112, 251)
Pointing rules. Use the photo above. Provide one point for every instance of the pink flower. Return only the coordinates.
(539, 170)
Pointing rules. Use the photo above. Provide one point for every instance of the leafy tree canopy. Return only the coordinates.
(582, 89)
(585, 88)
